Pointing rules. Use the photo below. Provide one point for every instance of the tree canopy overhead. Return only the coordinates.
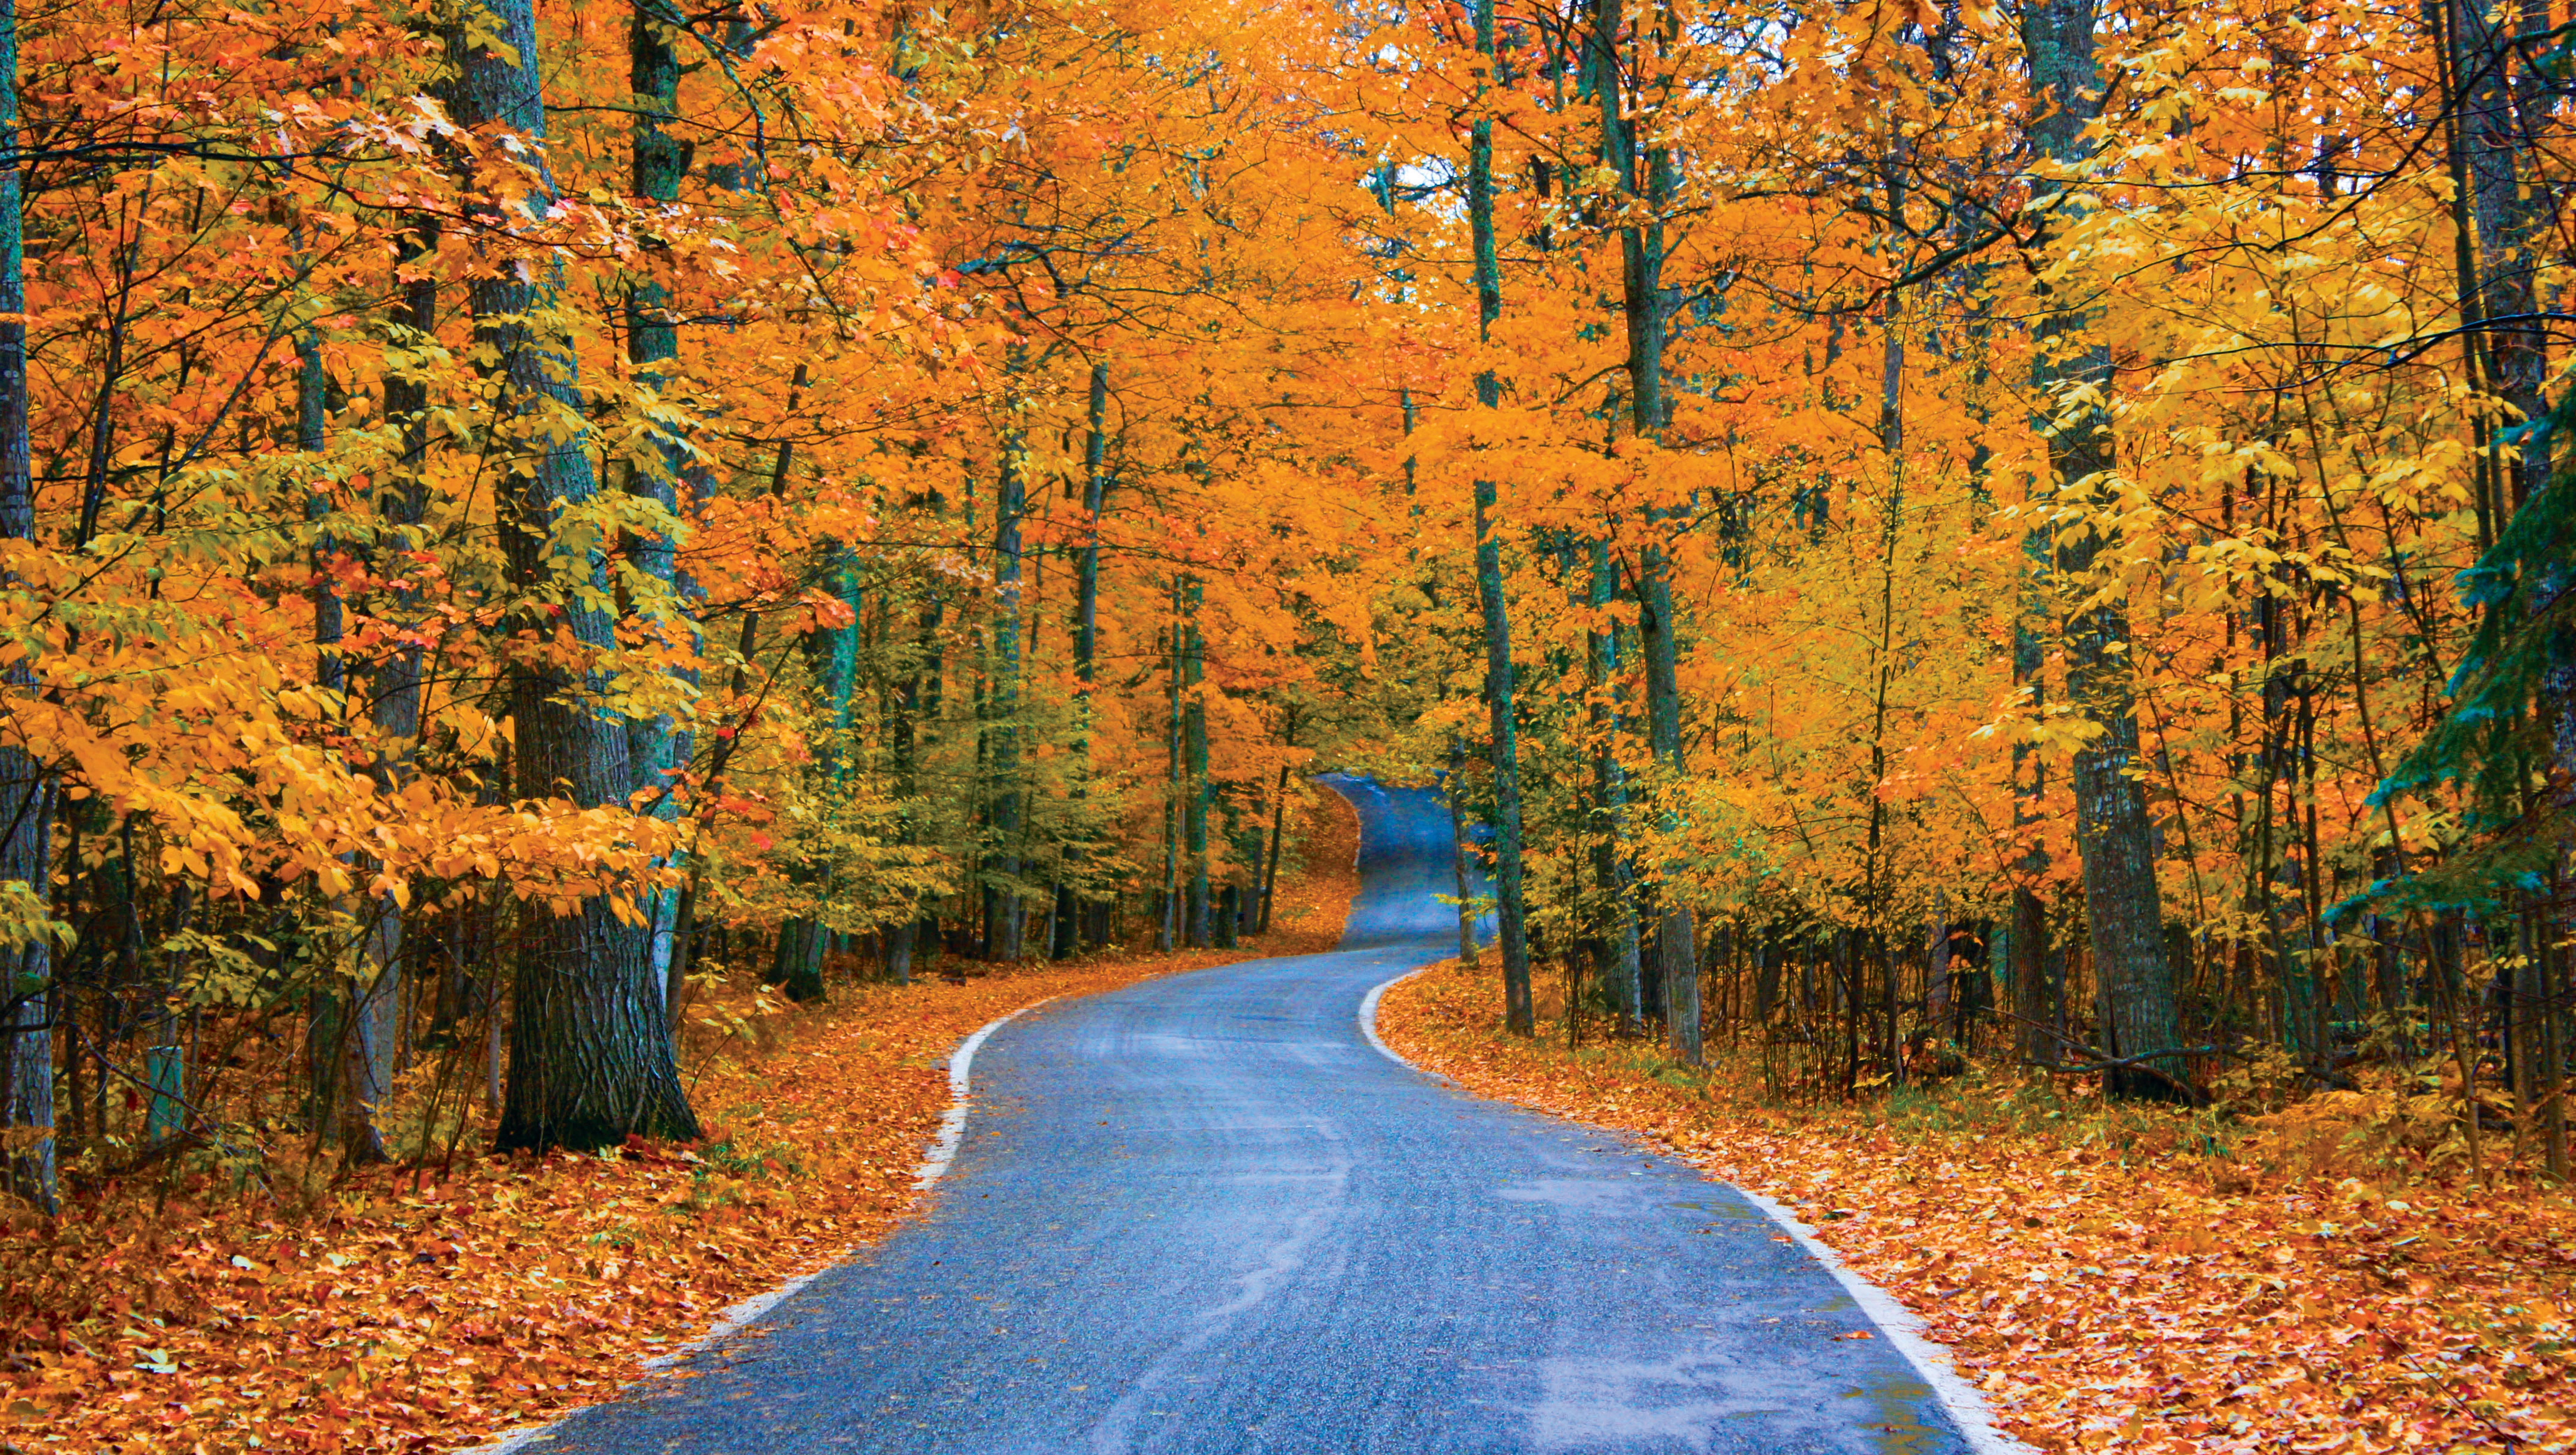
(1903, 530)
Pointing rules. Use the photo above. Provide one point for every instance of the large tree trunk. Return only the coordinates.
(796, 959)
(2503, 111)
(2034, 999)
(26, 790)
(1503, 746)
(1646, 175)
(590, 1057)
(2504, 106)
(2122, 905)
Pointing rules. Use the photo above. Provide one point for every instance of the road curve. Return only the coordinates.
(1202, 1216)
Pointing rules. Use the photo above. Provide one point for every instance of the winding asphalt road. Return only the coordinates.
(1203, 1216)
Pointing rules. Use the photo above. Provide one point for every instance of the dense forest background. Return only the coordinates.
(1908, 532)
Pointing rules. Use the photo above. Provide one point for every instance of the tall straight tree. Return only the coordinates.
(1613, 874)
(1168, 921)
(351, 1045)
(590, 1055)
(394, 687)
(831, 669)
(2112, 836)
(1644, 174)
(1510, 910)
(1198, 932)
(26, 796)
(657, 745)
(1069, 907)
(1002, 917)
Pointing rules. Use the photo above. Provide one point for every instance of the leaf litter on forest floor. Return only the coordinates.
(2107, 1297)
(429, 1309)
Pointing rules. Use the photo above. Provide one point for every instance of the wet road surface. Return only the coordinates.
(1203, 1215)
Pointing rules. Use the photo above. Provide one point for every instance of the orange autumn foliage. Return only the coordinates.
(2103, 1281)
(428, 1309)
(988, 450)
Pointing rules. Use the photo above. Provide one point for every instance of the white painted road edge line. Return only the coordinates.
(1965, 1402)
(1904, 1332)
(943, 1151)
(1368, 1025)
(952, 1127)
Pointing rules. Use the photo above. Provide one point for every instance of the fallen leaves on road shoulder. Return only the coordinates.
(2111, 1297)
(428, 1309)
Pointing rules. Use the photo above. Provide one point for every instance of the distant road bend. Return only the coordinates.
(1203, 1215)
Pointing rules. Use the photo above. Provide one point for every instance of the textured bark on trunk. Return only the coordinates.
(796, 959)
(1891, 441)
(2034, 1007)
(26, 790)
(590, 1055)
(1503, 742)
(1645, 174)
(898, 952)
(2503, 110)
(2123, 907)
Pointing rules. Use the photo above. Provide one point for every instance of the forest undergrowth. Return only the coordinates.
(430, 1306)
(2115, 1276)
